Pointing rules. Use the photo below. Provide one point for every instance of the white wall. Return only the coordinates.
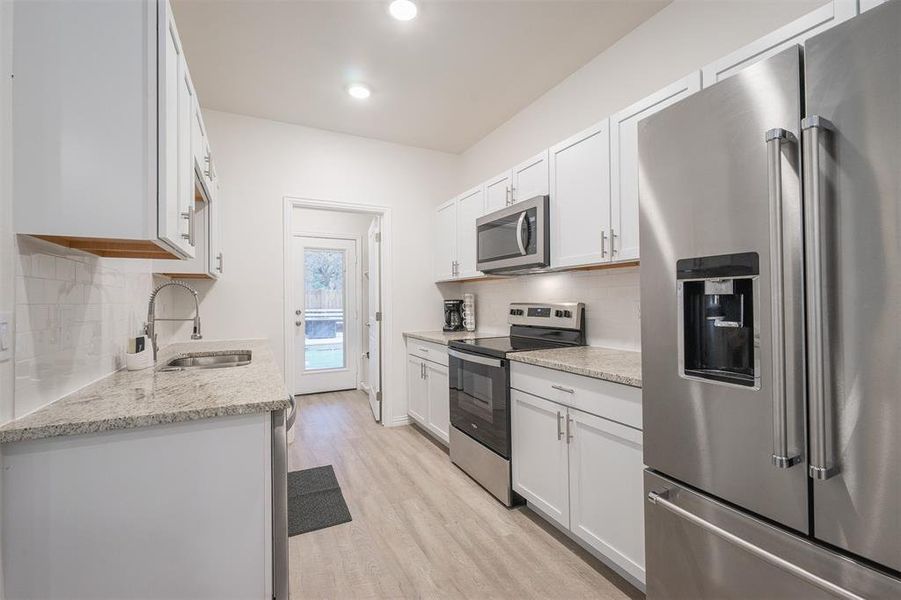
(261, 162)
(309, 220)
(682, 37)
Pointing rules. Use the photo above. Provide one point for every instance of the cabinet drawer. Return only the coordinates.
(427, 350)
(620, 403)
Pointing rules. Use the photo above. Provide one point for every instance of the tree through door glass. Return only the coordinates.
(324, 275)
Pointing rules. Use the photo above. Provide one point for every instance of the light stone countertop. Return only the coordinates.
(444, 337)
(617, 366)
(130, 399)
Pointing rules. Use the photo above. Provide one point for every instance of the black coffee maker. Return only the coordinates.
(453, 315)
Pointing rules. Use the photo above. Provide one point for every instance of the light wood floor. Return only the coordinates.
(421, 528)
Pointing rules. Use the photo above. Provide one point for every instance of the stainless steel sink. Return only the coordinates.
(207, 360)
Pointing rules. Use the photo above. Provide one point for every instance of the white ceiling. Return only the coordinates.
(443, 80)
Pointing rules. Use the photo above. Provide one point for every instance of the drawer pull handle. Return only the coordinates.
(564, 389)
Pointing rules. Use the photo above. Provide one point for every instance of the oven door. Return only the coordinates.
(480, 399)
(514, 238)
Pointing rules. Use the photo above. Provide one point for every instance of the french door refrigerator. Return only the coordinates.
(770, 216)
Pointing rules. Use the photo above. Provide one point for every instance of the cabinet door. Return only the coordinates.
(606, 490)
(439, 399)
(214, 227)
(189, 221)
(470, 206)
(530, 178)
(498, 193)
(795, 32)
(445, 241)
(417, 394)
(580, 198)
(623, 236)
(539, 454)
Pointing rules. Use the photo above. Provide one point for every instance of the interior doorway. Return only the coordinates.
(334, 298)
(326, 334)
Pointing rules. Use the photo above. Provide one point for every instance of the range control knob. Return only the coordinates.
(567, 314)
(558, 313)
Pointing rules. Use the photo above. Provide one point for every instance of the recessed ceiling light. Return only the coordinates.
(403, 10)
(359, 91)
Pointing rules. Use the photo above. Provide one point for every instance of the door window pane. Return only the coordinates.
(324, 273)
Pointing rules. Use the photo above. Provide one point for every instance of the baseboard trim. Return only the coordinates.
(397, 421)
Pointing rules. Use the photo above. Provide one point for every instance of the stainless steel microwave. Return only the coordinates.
(515, 238)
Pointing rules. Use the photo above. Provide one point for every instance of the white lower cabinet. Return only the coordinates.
(540, 455)
(581, 470)
(428, 392)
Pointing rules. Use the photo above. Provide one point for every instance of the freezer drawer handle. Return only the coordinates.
(783, 456)
(777, 561)
(817, 310)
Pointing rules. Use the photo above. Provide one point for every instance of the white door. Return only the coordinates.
(623, 237)
(498, 192)
(540, 461)
(530, 178)
(374, 320)
(606, 490)
(437, 383)
(417, 393)
(470, 206)
(445, 248)
(580, 198)
(326, 326)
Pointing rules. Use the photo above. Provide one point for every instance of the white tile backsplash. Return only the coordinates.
(611, 298)
(74, 315)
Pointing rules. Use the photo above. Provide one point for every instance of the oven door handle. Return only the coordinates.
(482, 360)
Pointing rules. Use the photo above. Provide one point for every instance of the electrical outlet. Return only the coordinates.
(6, 336)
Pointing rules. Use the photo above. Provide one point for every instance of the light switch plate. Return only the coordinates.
(6, 336)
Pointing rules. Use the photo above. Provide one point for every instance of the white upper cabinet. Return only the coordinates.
(623, 236)
(445, 241)
(580, 198)
(498, 192)
(470, 206)
(795, 32)
(100, 125)
(866, 5)
(530, 178)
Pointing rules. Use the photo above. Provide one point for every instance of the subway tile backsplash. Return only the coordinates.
(611, 298)
(74, 314)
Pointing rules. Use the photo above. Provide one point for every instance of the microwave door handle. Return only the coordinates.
(482, 360)
(519, 225)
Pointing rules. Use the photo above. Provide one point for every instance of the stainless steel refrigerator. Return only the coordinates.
(770, 209)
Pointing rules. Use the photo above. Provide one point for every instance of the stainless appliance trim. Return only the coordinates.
(820, 464)
(519, 224)
(541, 258)
(279, 449)
(475, 358)
(659, 499)
(783, 456)
(489, 469)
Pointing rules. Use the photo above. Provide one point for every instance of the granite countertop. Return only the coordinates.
(443, 337)
(130, 399)
(617, 366)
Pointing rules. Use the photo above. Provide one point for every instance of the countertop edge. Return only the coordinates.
(592, 373)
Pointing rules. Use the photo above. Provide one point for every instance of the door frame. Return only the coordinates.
(351, 349)
(390, 417)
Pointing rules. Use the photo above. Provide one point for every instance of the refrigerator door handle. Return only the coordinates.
(660, 499)
(783, 456)
(821, 466)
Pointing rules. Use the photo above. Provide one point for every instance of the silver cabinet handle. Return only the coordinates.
(604, 244)
(208, 173)
(519, 224)
(421, 349)
(821, 466)
(219, 260)
(559, 425)
(783, 456)
(563, 389)
(569, 428)
(189, 216)
(613, 236)
(660, 499)
(508, 196)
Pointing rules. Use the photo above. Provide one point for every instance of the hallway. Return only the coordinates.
(421, 527)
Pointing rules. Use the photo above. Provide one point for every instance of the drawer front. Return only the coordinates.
(427, 350)
(620, 403)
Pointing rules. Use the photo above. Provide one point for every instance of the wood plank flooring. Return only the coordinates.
(421, 528)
